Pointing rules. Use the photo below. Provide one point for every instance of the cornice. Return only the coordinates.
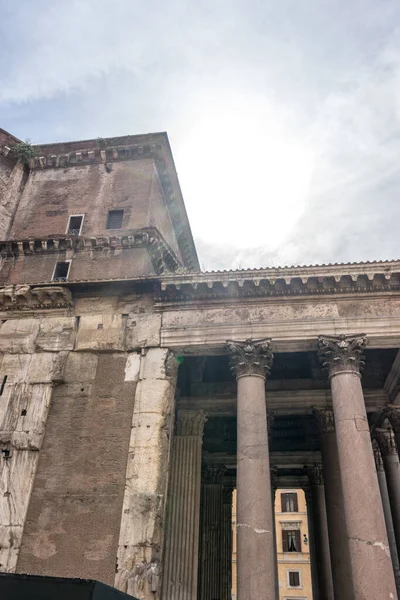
(284, 281)
(162, 256)
(26, 297)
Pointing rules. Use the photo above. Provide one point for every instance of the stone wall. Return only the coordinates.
(85, 428)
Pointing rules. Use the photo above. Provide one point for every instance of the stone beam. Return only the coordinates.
(282, 402)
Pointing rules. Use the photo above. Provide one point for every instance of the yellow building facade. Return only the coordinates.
(293, 547)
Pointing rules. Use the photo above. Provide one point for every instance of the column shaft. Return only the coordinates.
(391, 464)
(181, 556)
(254, 499)
(321, 536)
(211, 535)
(255, 539)
(226, 577)
(311, 541)
(338, 539)
(388, 515)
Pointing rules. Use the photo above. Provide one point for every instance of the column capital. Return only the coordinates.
(212, 475)
(325, 419)
(386, 441)
(342, 352)
(377, 456)
(393, 414)
(227, 495)
(251, 357)
(190, 423)
(315, 474)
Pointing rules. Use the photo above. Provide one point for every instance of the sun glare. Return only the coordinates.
(245, 176)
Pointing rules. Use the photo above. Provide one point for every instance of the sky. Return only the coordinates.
(283, 115)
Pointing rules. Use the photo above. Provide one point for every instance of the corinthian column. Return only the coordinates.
(182, 543)
(321, 536)
(250, 362)
(390, 458)
(338, 539)
(370, 561)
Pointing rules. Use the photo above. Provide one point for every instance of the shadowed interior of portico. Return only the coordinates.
(296, 388)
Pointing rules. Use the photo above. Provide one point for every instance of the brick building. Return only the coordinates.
(134, 391)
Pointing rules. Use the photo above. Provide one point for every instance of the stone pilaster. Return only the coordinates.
(250, 362)
(338, 539)
(380, 472)
(210, 563)
(390, 458)
(182, 544)
(316, 478)
(227, 543)
(371, 567)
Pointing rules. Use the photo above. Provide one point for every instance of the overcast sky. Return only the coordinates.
(283, 115)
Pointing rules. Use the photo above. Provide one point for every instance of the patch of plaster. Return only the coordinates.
(253, 528)
(380, 545)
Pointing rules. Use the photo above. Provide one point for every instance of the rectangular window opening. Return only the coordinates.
(61, 271)
(291, 541)
(294, 579)
(75, 224)
(114, 219)
(289, 502)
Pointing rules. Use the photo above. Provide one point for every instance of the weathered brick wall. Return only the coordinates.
(85, 265)
(52, 195)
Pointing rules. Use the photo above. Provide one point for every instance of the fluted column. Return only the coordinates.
(210, 564)
(390, 458)
(393, 414)
(250, 362)
(226, 577)
(338, 539)
(321, 536)
(311, 541)
(370, 560)
(182, 543)
(387, 513)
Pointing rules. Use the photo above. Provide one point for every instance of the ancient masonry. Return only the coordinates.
(136, 392)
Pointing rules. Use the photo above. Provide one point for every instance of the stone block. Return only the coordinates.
(154, 396)
(10, 541)
(158, 364)
(101, 333)
(132, 368)
(19, 336)
(143, 330)
(15, 368)
(47, 367)
(17, 474)
(146, 431)
(56, 333)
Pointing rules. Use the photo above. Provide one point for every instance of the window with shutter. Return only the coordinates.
(289, 502)
(285, 543)
(294, 578)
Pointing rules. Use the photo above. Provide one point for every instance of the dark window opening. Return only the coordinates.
(61, 271)
(289, 502)
(291, 541)
(294, 578)
(74, 225)
(114, 219)
(3, 385)
(23, 412)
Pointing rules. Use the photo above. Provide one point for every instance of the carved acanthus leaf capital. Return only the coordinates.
(393, 414)
(342, 352)
(386, 441)
(190, 423)
(377, 456)
(325, 419)
(315, 474)
(251, 357)
(213, 475)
